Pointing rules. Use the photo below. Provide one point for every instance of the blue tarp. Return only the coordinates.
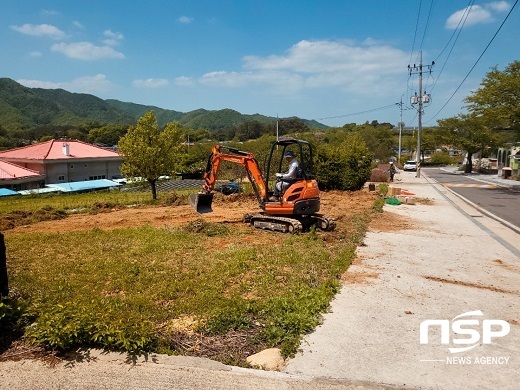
(6, 192)
(84, 185)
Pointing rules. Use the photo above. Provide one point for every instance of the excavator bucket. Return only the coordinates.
(201, 202)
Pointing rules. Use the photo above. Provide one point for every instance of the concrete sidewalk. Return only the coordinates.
(442, 260)
(454, 261)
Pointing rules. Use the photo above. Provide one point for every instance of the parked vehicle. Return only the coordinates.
(410, 166)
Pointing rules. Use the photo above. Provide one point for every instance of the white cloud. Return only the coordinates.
(476, 14)
(78, 24)
(185, 19)
(150, 83)
(184, 81)
(39, 84)
(87, 84)
(35, 54)
(112, 38)
(317, 64)
(90, 84)
(40, 30)
(50, 12)
(499, 6)
(86, 51)
(113, 35)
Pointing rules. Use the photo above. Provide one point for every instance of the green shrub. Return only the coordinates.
(383, 189)
(73, 324)
(443, 158)
(344, 167)
(10, 314)
(378, 205)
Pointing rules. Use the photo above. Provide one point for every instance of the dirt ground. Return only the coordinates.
(226, 209)
(339, 205)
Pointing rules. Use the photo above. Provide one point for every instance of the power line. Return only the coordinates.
(415, 34)
(426, 26)
(462, 20)
(357, 113)
(478, 59)
(463, 17)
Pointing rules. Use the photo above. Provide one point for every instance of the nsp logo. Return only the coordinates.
(465, 327)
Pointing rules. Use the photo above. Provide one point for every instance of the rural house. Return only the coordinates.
(62, 161)
(16, 178)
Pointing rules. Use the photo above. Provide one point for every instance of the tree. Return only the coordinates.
(467, 132)
(378, 138)
(107, 135)
(498, 99)
(149, 152)
(344, 166)
(249, 130)
(292, 125)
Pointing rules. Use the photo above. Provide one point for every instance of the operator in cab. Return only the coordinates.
(283, 180)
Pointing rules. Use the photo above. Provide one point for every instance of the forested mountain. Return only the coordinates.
(23, 108)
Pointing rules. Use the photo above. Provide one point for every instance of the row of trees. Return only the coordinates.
(493, 117)
(343, 160)
(344, 155)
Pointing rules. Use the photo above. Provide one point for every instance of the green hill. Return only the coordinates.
(28, 108)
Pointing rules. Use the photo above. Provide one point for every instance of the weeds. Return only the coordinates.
(215, 290)
(21, 218)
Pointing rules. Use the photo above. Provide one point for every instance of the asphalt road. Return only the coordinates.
(500, 201)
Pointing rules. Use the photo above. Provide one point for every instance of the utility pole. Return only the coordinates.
(276, 127)
(419, 100)
(400, 130)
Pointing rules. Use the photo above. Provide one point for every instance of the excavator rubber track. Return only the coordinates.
(322, 222)
(289, 225)
(274, 223)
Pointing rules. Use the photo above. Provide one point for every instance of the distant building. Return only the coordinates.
(17, 178)
(61, 161)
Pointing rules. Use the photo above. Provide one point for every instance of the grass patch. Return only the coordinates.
(222, 291)
(20, 211)
(83, 202)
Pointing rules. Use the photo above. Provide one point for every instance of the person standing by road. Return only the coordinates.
(392, 171)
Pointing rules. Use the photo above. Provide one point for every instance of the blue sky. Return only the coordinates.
(334, 61)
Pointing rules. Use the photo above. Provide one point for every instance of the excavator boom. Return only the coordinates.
(203, 200)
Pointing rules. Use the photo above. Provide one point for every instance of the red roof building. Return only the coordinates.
(15, 177)
(62, 161)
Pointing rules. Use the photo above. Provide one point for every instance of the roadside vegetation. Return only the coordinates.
(222, 291)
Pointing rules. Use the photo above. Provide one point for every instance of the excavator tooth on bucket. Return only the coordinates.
(201, 202)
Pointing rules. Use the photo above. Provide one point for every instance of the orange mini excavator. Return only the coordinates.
(294, 210)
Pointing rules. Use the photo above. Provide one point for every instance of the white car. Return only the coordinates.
(410, 166)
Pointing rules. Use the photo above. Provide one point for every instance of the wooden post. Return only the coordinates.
(4, 288)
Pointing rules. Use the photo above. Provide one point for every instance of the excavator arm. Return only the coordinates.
(202, 201)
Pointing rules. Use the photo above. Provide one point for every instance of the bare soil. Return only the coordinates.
(226, 209)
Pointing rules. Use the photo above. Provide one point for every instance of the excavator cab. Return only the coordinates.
(276, 163)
